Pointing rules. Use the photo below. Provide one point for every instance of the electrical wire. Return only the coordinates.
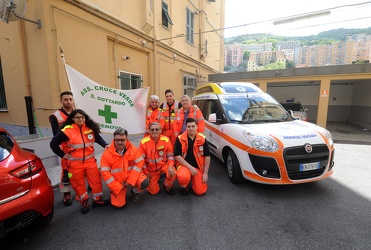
(269, 20)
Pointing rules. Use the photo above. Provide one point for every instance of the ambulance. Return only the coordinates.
(258, 139)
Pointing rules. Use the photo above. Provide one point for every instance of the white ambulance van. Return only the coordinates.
(258, 140)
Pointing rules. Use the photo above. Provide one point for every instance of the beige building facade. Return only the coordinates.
(129, 44)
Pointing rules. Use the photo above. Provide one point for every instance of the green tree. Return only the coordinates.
(290, 64)
(272, 66)
(246, 55)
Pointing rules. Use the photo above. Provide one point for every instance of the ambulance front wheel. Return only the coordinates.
(233, 167)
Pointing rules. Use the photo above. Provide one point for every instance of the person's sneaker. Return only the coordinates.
(100, 202)
(85, 206)
(134, 196)
(67, 199)
(184, 191)
(170, 191)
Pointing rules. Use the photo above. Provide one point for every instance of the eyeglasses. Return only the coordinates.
(79, 117)
(120, 140)
(155, 129)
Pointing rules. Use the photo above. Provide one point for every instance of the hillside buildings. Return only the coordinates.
(355, 48)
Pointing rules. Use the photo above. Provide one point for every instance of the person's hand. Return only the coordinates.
(67, 156)
(172, 171)
(194, 171)
(107, 146)
(127, 185)
(205, 177)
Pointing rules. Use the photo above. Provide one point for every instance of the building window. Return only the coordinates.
(3, 105)
(189, 85)
(165, 15)
(189, 31)
(130, 81)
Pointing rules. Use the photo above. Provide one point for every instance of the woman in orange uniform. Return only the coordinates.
(80, 132)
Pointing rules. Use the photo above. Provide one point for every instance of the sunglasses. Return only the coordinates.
(120, 140)
(155, 129)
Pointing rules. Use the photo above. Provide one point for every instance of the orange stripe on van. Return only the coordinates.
(231, 140)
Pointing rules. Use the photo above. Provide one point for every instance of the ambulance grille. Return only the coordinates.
(295, 156)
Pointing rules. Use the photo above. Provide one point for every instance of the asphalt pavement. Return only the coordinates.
(342, 133)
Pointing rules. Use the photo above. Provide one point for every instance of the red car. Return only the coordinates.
(26, 193)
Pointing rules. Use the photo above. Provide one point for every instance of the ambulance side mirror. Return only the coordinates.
(212, 118)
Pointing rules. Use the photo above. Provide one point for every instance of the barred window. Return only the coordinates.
(130, 81)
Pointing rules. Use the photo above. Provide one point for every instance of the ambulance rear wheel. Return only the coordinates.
(233, 167)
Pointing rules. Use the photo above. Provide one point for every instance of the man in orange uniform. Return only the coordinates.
(193, 156)
(188, 111)
(56, 119)
(153, 113)
(121, 168)
(158, 154)
(169, 109)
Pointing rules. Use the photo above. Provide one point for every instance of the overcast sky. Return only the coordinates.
(258, 16)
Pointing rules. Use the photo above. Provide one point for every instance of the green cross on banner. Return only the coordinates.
(107, 114)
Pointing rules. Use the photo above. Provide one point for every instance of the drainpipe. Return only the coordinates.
(28, 97)
(31, 124)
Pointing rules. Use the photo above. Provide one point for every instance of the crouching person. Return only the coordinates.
(158, 154)
(193, 156)
(121, 168)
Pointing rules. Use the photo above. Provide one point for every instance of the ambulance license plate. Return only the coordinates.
(309, 166)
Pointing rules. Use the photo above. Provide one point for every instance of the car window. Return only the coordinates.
(6, 145)
(254, 110)
(293, 106)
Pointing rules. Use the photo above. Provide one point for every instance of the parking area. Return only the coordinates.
(343, 132)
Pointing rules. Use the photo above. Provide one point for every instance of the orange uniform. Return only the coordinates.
(82, 163)
(119, 169)
(192, 113)
(168, 117)
(159, 157)
(200, 151)
(154, 115)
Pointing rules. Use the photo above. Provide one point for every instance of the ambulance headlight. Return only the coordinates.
(327, 135)
(261, 142)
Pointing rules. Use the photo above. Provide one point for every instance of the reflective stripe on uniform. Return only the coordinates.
(108, 169)
(138, 159)
(110, 180)
(82, 158)
(117, 170)
(135, 168)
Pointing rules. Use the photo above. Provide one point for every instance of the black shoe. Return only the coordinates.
(134, 196)
(184, 191)
(100, 202)
(85, 206)
(67, 199)
(170, 191)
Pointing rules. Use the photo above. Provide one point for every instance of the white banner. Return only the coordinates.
(110, 108)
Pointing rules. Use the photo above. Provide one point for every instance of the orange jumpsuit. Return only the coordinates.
(159, 157)
(168, 116)
(119, 169)
(192, 113)
(154, 115)
(183, 173)
(82, 164)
